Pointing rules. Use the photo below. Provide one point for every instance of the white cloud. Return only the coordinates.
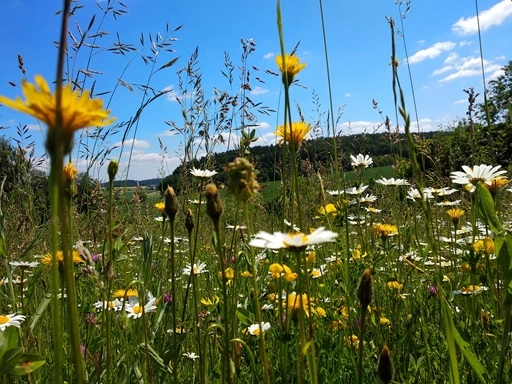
(442, 70)
(269, 55)
(493, 16)
(258, 91)
(355, 127)
(136, 143)
(461, 101)
(431, 52)
(347, 94)
(464, 43)
(173, 96)
(469, 67)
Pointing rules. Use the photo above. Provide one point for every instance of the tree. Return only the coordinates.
(499, 97)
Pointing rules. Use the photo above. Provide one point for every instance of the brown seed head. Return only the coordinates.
(385, 367)
(364, 290)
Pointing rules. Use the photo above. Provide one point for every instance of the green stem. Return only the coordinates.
(360, 346)
(504, 341)
(69, 277)
(173, 304)
(55, 181)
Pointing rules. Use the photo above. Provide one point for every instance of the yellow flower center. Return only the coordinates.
(4, 319)
(137, 309)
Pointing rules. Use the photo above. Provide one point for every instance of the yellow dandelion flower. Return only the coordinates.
(70, 172)
(289, 66)
(455, 214)
(160, 206)
(47, 259)
(246, 274)
(122, 293)
(320, 312)
(76, 111)
(384, 230)
(293, 303)
(295, 133)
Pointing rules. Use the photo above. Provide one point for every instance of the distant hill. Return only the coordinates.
(133, 183)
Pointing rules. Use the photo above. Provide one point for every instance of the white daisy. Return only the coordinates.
(279, 240)
(337, 193)
(13, 320)
(414, 194)
(198, 269)
(114, 305)
(295, 228)
(256, 329)
(471, 176)
(134, 309)
(392, 181)
(447, 203)
(191, 355)
(202, 174)
(361, 161)
(24, 264)
(356, 191)
(367, 199)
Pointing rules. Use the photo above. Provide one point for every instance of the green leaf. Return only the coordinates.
(503, 250)
(244, 316)
(8, 340)
(463, 345)
(485, 204)
(9, 360)
(40, 310)
(27, 362)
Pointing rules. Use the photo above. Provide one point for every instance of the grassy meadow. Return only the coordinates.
(393, 274)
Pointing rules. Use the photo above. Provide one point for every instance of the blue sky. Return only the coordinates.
(441, 38)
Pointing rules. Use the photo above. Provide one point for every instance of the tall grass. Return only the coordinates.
(373, 280)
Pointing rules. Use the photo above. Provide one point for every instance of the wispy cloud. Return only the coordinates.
(468, 67)
(491, 17)
(256, 91)
(268, 55)
(432, 52)
(141, 144)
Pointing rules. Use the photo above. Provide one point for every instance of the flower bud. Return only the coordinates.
(112, 169)
(171, 203)
(364, 290)
(189, 221)
(214, 206)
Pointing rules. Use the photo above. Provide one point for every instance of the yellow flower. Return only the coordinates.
(275, 270)
(395, 285)
(47, 259)
(288, 275)
(290, 65)
(210, 302)
(293, 303)
(484, 246)
(229, 274)
(121, 293)
(329, 209)
(76, 111)
(246, 274)
(384, 230)
(70, 172)
(160, 206)
(320, 312)
(311, 257)
(384, 322)
(294, 133)
(455, 215)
